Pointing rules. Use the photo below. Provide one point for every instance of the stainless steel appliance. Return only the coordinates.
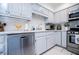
(50, 26)
(58, 27)
(73, 33)
(73, 41)
(20, 44)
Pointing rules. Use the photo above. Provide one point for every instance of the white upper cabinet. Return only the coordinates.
(3, 8)
(27, 11)
(50, 17)
(36, 8)
(61, 16)
(14, 9)
(20, 10)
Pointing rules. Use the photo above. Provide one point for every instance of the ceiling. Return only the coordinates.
(56, 6)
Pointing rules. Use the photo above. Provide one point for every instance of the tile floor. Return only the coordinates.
(58, 51)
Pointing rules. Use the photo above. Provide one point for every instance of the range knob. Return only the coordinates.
(76, 32)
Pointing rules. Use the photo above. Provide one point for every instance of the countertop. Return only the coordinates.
(34, 31)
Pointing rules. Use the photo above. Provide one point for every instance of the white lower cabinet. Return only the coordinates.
(40, 45)
(58, 38)
(46, 40)
(50, 40)
(2, 44)
(64, 39)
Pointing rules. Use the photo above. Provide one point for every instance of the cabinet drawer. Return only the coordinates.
(38, 38)
(49, 33)
(39, 35)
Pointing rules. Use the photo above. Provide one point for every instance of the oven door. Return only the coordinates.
(72, 41)
(76, 39)
(72, 38)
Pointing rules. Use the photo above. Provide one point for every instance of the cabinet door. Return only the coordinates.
(20, 10)
(14, 9)
(64, 39)
(2, 44)
(57, 17)
(58, 38)
(61, 16)
(13, 45)
(35, 7)
(2, 38)
(40, 45)
(50, 17)
(38, 9)
(53, 38)
(26, 11)
(3, 8)
(50, 39)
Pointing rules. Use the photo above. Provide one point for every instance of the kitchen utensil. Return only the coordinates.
(18, 26)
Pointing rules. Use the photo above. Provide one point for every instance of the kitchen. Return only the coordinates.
(36, 28)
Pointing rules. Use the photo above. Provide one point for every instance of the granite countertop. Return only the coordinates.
(15, 32)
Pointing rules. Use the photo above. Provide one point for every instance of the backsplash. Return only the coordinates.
(38, 21)
(11, 22)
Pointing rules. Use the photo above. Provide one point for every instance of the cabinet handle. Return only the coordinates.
(23, 37)
(35, 40)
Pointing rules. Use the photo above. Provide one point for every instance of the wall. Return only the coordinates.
(11, 23)
(37, 21)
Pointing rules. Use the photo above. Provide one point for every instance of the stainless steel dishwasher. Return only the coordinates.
(20, 44)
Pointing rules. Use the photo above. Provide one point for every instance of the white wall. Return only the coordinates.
(37, 21)
(11, 23)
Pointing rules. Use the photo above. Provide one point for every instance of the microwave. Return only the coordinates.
(73, 15)
(50, 26)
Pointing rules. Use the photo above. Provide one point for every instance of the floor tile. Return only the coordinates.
(58, 51)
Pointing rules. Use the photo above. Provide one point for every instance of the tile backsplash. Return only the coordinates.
(11, 22)
(38, 21)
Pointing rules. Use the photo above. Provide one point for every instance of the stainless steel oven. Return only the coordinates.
(73, 41)
(73, 32)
